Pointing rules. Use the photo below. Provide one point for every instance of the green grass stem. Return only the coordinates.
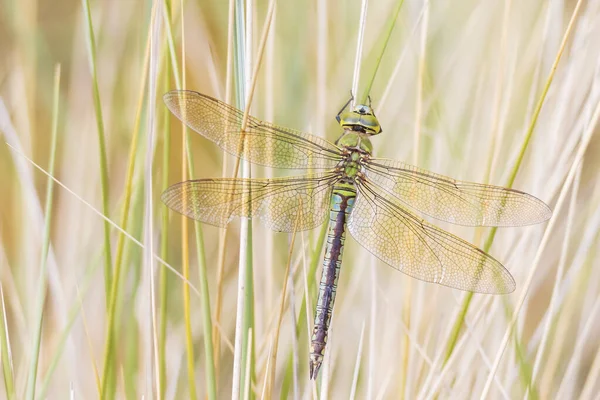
(384, 40)
(43, 274)
(239, 69)
(164, 242)
(7, 362)
(115, 284)
(91, 45)
(202, 270)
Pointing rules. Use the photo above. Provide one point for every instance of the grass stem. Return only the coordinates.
(43, 274)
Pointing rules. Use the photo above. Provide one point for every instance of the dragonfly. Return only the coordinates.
(377, 200)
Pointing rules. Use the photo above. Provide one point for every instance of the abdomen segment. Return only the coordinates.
(342, 202)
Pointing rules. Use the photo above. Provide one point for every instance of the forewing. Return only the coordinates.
(284, 204)
(421, 250)
(264, 143)
(458, 202)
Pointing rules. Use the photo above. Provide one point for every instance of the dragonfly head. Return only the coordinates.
(360, 119)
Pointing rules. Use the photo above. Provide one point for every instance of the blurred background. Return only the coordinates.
(457, 92)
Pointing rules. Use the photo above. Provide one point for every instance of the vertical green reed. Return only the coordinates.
(384, 39)
(108, 380)
(43, 275)
(91, 44)
(108, 377)
(164, 243)
(200, 253)
(7, 362)
(241, 76)
(205, 298)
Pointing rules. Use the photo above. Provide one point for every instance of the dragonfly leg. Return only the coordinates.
(371, 105)
(337, 117)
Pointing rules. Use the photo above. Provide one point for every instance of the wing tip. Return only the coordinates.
(547, 212)
(172, 93)
(179, 93)
(506, 287)
(502, 281)
(176, 100)
(167, 198)
(170, 198)
(511, 286)
(544, 214)
(164, 195)
(537, 213)
(505, 284)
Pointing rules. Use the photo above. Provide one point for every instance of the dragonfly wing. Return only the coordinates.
(264, 143)
(284, 204)
(413, 246)
(458, 202)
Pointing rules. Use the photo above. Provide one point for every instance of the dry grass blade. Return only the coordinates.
(357, 364)
(223, 236)
(272, 360)
(7, 359)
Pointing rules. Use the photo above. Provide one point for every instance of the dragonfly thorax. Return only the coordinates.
(351, 165)
(356, 147)
(353, 140)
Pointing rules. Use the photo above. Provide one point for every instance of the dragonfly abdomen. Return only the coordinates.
(342, 202)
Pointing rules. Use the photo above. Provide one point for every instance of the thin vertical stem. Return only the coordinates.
(223, 235)
(407, 309)
(239, 61)
(386, 40)
(152, 346)
(185, 247)
(246, 84)
(7, 365)
(164, 247)
(91, 42)
(357, 364)
(43, 274)
(359, 48)
(112, 299)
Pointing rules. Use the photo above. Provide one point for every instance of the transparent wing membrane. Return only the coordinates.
(408, 243)
(458, 202)
(284, 204)
(264, 143)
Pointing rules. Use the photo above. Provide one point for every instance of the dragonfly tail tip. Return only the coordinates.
(315, 366)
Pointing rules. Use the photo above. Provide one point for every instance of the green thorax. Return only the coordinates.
(358, 145)
(353, 140)
(359, 124)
